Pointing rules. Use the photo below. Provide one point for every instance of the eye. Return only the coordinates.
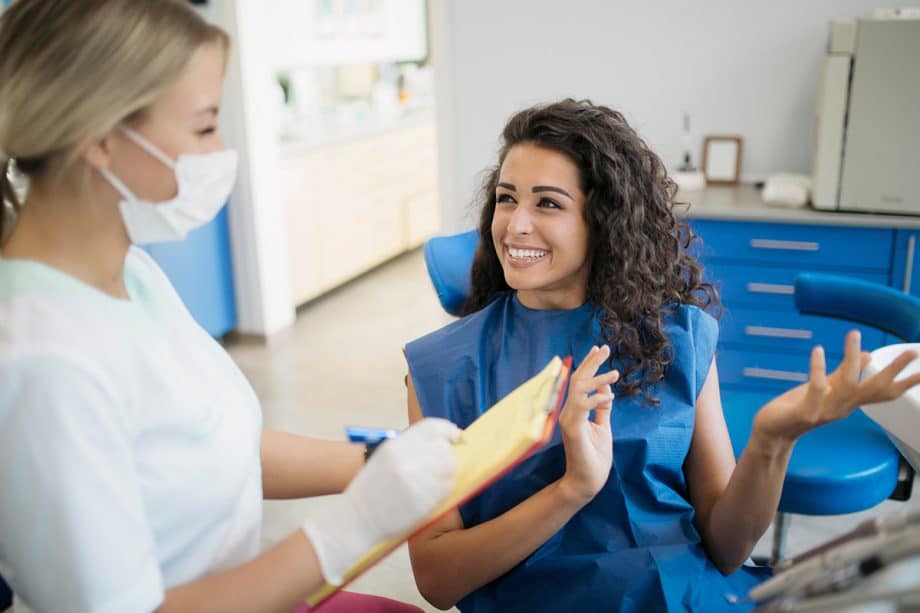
(207, 131)
(502, 198)
(548, 203)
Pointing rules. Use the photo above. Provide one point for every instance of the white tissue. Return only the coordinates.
(689, 180)
(790, 190)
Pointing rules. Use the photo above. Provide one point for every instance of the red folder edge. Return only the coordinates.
(551, 420)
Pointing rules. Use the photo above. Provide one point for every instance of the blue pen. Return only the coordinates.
(369, 436)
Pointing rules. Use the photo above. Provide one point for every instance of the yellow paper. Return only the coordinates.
(487, 448)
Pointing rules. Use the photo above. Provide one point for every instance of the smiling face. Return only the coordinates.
(539, 228)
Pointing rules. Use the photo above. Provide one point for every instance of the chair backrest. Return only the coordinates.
(859, 301)
(6, 595)
(448, 260)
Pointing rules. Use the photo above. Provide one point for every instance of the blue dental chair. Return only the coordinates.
(843, 467)
(448, 260)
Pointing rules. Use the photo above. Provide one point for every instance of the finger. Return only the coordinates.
(817, 378)
(601, 401)
(594, 359)
(588, 367)
(603, 409)
(880, 386)
(897, 365)
(852, 358)
(576, 412)
(899, 387)
(608, 379)
(436, 427)
(888, 374)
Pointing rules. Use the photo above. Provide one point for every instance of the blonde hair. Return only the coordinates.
(72, 71)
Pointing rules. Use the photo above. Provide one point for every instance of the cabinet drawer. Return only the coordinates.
(767, 370)
(764, 286)
(824, 247)
(791, 331)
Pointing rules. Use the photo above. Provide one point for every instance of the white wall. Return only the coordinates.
(747, 67)
(249, 123)
(297, 39)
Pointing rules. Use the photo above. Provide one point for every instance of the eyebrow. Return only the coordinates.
(550, 188)
(539, 188)
(211, 109)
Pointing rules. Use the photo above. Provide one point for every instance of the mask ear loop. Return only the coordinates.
(117, 183)
(147, 146)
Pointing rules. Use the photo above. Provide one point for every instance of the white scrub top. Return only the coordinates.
(129, 443)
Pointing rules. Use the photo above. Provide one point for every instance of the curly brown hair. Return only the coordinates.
(640, 268)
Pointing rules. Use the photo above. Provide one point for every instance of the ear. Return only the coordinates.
(98, 154)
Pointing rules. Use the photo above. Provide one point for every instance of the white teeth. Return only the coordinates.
(532, 254)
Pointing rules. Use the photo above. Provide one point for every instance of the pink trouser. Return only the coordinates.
(352, 602)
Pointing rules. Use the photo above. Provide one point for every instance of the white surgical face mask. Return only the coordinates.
(204, 183)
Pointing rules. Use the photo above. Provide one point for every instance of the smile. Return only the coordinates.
(525, 256)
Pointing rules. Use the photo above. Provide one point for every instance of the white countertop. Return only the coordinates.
(743, 203)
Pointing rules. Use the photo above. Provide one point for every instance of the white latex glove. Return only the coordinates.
(402, 482)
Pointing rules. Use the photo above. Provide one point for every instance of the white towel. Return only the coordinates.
(787, 189)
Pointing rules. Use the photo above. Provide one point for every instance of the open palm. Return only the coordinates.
(826, 398)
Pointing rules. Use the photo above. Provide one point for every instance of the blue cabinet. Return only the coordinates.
(200, 268)
(764, 342)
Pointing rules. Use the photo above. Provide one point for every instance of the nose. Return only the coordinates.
(520, 221)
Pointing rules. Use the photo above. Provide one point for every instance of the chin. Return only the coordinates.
(516, 283)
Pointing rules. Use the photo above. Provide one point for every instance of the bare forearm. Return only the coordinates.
(296, 466)
(453, 564)
(278, 580)
(748, 504)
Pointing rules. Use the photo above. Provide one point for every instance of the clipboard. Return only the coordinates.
(501, 438)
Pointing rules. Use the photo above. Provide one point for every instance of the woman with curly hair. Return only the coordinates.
(638, 509)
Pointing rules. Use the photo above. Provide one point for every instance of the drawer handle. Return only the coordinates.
(778, 332)
(767, 243)
(909, 263)
(770, 288)
(774, 375)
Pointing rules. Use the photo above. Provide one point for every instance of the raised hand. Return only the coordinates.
(588, 443)
(826, 398)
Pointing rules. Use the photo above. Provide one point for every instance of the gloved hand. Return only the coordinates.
(402, 482)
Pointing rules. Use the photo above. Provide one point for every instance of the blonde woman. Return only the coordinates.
(134, 460)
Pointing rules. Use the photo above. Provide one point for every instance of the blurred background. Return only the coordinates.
(364, 125)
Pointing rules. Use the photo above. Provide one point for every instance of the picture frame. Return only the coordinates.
(722, 159)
